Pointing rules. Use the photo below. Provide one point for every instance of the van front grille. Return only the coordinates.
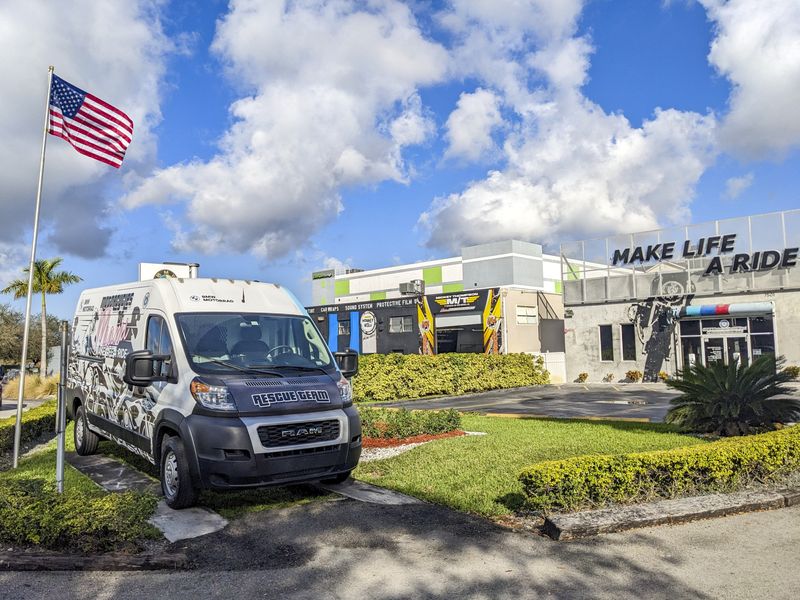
(292, 434)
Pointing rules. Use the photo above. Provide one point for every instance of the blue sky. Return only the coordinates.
(274, 139)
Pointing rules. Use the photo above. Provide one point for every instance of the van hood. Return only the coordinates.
(284, 395)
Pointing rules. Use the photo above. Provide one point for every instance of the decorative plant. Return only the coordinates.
(609, 378)
(663, 375)
(634, 376)
(732, 399)
(582, 377)
(793, 370)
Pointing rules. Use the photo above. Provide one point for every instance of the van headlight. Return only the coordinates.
(346, 392)
(214, 397)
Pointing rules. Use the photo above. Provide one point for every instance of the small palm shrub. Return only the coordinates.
(732, 399)
(582, 377)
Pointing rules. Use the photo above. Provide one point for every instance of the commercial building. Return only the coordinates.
(493, 298)
(659, 301)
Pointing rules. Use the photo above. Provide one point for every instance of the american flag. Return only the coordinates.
(92, 126)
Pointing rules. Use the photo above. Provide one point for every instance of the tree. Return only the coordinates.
(46, 280)
(11, 330)
(732, 399)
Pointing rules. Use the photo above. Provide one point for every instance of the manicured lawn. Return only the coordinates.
(478, 474)
(85, 518)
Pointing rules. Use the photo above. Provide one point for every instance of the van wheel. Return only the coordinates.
(177, 485)
(340, 478)
(85, 441)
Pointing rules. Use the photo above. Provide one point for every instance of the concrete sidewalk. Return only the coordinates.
(9, 407)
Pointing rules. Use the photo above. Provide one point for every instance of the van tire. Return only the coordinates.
(177, 484)
(340, 478)
(85, 440)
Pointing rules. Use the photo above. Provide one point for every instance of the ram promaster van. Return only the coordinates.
(222, 384)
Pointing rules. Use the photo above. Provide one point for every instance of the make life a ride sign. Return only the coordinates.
(716, 244)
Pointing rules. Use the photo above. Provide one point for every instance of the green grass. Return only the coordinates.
(230, 504)
(479, 474)
(85, 518)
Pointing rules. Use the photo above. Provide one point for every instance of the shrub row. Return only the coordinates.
(395, 376)
(33, 513)
(590, 481)
(35, 422)
(402, 423)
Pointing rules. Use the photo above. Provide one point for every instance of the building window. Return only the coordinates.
(344, 327)
(527, 315)
(606, 343)
(628, 340)
(400, 325)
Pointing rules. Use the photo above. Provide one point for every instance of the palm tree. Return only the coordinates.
(732, 399)
(46, 280)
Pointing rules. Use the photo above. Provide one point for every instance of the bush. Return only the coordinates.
(35, 422)
(582, 377)
(402, 423)
(663, 375)
(634, 376)
(396, 376)
(36, 388)
(793, 371)
(33, 513)
(732, 399)
(725, 465)
(609, 378)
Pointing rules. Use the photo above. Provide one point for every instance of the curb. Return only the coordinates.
(101, 562)
(584, 524)
(569, 418)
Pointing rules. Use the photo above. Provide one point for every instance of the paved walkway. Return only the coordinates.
(640, 402)
(9, 407)
(347, 549)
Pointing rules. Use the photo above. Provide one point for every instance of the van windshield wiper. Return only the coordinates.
(247, 368)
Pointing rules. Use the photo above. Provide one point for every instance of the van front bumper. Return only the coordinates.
(224, 454)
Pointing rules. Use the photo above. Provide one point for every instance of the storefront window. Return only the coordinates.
(344, 327)
(760, 324)
(762, 344)
(690, 327)
(606, 343)
(400, 325)
(628, 339)
(691, 351)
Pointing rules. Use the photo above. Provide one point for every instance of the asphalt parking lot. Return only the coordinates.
(349, 549)
(641, 402)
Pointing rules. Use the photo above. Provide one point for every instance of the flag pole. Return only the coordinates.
(18, 428)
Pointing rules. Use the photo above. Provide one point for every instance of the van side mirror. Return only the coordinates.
(348, 363)
(142, 368)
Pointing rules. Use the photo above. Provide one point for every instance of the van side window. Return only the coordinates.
(158, 340)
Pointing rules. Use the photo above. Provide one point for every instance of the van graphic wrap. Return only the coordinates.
(100, 342)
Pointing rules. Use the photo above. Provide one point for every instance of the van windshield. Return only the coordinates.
(236, 342)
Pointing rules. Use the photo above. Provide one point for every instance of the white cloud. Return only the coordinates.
(470, 125)
(332, 101)
(114, 49)
(736, 185)
(572, 170)
(12, 261)
(757, 47)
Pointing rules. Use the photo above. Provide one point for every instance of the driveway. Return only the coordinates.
(642, 402)
(348, 549)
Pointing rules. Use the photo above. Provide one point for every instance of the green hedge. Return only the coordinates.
(35, 422)
(33, 513)
(725, 465)
(395, 376)
(402, 423)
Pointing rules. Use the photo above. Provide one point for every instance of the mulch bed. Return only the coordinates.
(370, 442)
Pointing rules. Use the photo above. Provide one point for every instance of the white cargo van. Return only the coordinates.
(222, 384)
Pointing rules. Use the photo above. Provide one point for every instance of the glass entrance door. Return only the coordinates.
(728, 349)
(714, 350)
(737, 351)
